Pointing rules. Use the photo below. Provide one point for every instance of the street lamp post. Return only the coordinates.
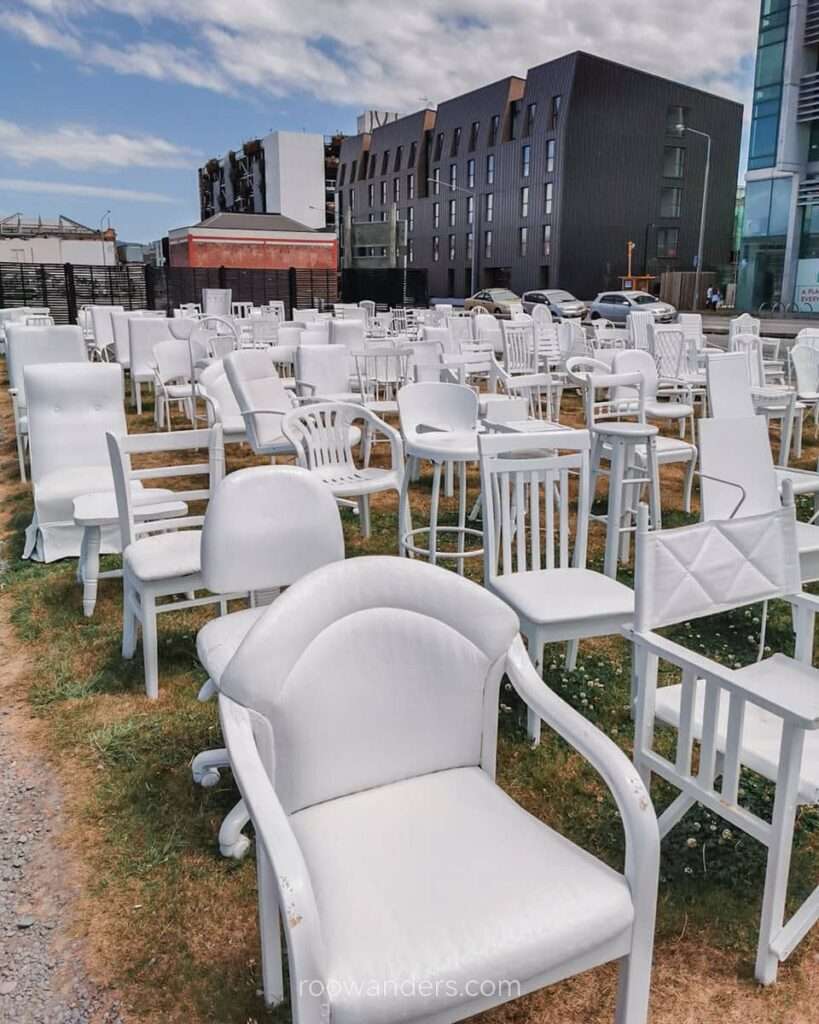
(475, 218)
(701, 245)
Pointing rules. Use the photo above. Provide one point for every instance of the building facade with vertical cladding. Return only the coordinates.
(550, 176)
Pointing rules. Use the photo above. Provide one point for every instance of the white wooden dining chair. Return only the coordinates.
(400, 870)
(161, 558)
(763, 717)
(143, 334)
(534, 555)
(265, 527)
(174, 382)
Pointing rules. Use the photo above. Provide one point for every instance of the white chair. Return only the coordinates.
(216, 301)
(382, 818)
(221, 402)
(805, 362)
(763, 717)
(161, 557)
(262, 399)
(245, 548)
(241, 310)
(322, 435)
(519, 375)
(666, 398)
(369, 308)
(174, 379)
(70, 408)
(347, 332)
(528, 542)
(324, 372)
(639, 324)
(305, 315)
(119, 327)
(219, 335)
(102, 329)
(460, 330)
(143, 334)
(486, 328)
(381, 371)
(29, 346)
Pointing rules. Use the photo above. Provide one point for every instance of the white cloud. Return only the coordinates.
(390, 55)
(79, 148)
(61, 188)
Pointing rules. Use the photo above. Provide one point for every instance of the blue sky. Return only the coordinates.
(112, 104)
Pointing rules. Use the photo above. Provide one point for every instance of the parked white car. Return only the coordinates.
(616, 306)
(559, 303)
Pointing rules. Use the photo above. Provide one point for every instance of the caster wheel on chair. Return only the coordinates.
(237, 849)
(208, 779)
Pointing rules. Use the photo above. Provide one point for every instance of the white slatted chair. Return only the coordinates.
(639, 324)
(143, 334)
(518, 375)
(29, 346)
(460, 329)
(262, 398)
(161, 558)
(764, 717)
(533, 559)
(245, 548)
(805, 362)
(70, 408)
(382, 790)
(770, 400)
(323, 435)
(241, 310)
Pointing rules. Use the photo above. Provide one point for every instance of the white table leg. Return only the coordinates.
(90, 567)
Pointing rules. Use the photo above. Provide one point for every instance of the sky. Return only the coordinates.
(111, 105)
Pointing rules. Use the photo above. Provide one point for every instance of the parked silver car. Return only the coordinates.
(616, 306)
(560, 303)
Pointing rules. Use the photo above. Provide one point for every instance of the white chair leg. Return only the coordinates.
(21, 457)
(269, 930)
(433, 513)
(634, 984)
(800, 421)
(614, 510)
(535, 646)
(232, 843)
(129, 625)
(150, 656)
(689, 483)
(572, 647)
(364, 515)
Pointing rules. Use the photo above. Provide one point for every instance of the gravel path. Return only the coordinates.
(42, 980)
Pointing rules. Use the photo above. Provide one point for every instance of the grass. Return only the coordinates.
(172, 925)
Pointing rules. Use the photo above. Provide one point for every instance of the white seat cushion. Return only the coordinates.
(444, 878)
(165, 555)
(565, 595)
(763, 730)
(668, 410)
(218, 640)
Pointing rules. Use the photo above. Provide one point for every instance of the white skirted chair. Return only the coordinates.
(30, 346)
(70, 406)
(360, 716)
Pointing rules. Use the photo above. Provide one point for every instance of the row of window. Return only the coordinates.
(488, 205)
(523, 245)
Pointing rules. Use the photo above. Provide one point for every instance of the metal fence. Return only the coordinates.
(66, 288)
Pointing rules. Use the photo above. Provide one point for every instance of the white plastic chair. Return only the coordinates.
(323, 437)
(28, 346)
(161, 558)
(533, 559)
(380, 816)
(763, 717)
(143, 334)
(70, 408)
(262, 399)
(324, 372)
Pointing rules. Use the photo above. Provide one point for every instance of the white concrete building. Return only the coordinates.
(62, 240)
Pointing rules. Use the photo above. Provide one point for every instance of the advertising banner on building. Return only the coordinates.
(807, 284)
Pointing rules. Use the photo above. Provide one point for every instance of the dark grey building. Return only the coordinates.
(553, 175)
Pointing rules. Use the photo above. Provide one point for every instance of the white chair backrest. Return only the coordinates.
(317, 333)
(70, 408)
(805, 362)
(350, 714)
(624, 393)
(349, 332)
(542, 315)
(713, 566)
(572, 340)
(241, 310)
(437, 405)
(305, 315)
(218, 335)
(217, 301)
(639, 322)
(245, 548)
(27, 346)
(460, 329)
(442, 336)
(808, 336)
(635, 360)
(257, 387)
(728, 380)
(143, 333)
(172, 359)
(737, 466)
(101, 324)
(325, 367)
(751, 346)
(519, 348)
(382, 370)
(369, 308)
(742, 324)
(289, 335)
(119, 325)
(669, 348)
(526, 500)
(486, 328)
(275, 307)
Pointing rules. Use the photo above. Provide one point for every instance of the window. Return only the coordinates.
(439, 145)
(490, 206)
(470, 209)
(524, 201)
(370, 195)
(531, 112)
(556, 102)
(673, 162)
(352, 199)
(675, 120)
(514, 118)
(550, 156)
(451, 248)
(410, 186)
(372, 165)
(436, 181)
(470, 241)
(767, 204)
(436, 215)
(396, 190)
(341, 174)
(353, 166)
(453, 175)
(523, 241)
(383, 216)
(490, 169)
(474, 131)
(547, 199)
(371, 218)
(411, 250)
(494, 124)
(383, 192)
(436, 248)
(410, 218)
(452, 213)
(340, 209)
(768, 79)
(525, 156)
(470, 173)
(670, 202)
(411, 157)
(487, 245)
(456, 142)
(399, 152)
(667, 241)
(385, 161)
(547, 239)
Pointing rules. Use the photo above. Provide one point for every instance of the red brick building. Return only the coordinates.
(266, 241)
